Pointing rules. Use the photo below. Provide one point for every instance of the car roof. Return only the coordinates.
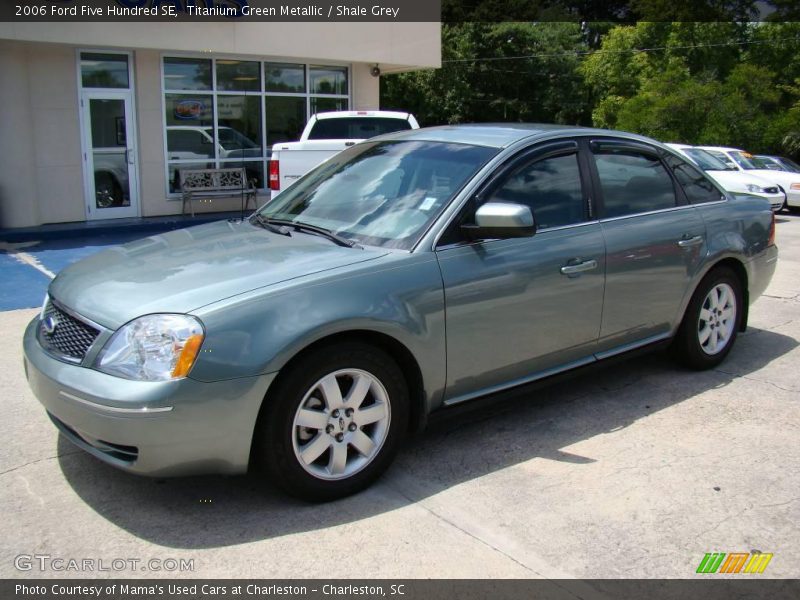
(722, 148)
(502, 135)
(340, 114)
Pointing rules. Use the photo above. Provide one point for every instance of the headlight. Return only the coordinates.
(153, 348)
(755, 188)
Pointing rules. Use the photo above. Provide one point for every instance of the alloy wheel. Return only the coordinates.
(717, 320)
(341, 424)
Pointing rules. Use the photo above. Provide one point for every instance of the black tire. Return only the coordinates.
(108, 192)
(687, 347)
(277, 435)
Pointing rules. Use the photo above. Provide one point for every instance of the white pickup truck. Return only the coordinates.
(327, 134)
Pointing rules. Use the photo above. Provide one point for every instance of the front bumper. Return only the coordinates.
(793, 198)
(160, 428)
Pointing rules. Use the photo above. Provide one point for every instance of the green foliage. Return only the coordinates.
(722, 83)
(700, 83)
(546, 87)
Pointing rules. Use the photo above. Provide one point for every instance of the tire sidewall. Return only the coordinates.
(274, 447)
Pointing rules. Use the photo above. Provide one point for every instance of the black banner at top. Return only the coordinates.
(449, 11)
(219, 10)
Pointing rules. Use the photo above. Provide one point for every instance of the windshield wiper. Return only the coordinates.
(334, 237)
(270, 225)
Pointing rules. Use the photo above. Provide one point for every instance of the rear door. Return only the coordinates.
(518, 309)
(655, 242)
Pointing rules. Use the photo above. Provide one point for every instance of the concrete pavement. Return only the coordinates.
(636, 470)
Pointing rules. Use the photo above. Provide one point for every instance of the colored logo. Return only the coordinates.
(189, 109)
(734, 562)
(49, 325)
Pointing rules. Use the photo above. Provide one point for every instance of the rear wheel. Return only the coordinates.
(334, 422)
(711, 321)
(108, 192)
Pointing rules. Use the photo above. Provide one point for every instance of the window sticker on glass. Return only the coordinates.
(428, 203)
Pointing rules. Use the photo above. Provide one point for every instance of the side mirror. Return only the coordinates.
(500, 220)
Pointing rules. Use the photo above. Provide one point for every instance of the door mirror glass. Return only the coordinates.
(500, 220)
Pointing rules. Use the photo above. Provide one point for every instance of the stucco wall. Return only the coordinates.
(40, 149)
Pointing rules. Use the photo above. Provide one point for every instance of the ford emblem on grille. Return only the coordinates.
(49, 325)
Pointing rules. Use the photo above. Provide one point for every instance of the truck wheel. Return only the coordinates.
(711, 321)
(334, 421)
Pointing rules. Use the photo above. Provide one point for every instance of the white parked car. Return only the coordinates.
(742, 161)
(732, 179)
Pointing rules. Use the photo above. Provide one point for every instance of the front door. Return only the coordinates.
(520, 309)
(110, 173)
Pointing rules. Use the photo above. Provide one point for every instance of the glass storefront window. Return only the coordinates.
(286, 78)
(286, 117)
(187, 74)
(328, 80)
(224, 112)
(104, 70)
(190, 126)
(239, 120)
(238, 75)
(327, 104)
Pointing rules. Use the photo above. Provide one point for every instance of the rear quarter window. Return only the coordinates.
(696, 186)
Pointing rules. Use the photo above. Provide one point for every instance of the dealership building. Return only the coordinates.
(98, 119)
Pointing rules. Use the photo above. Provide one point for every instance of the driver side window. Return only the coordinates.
(550, 187)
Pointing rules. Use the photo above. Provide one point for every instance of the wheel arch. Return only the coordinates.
(738, 267)
(399, 352)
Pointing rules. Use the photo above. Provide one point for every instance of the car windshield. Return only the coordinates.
(230, 139)
(381, 193)
(746, 160)
(705, 161)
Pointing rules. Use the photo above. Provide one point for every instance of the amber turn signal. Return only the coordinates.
(187, 356)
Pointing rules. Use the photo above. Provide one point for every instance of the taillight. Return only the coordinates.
(771, 238)
(274, 175)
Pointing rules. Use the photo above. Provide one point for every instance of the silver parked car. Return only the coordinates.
(408, 274)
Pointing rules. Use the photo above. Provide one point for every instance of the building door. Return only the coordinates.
(110, 157)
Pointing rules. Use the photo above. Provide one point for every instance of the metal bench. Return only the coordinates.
(216, 183)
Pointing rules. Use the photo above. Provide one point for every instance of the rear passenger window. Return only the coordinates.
(551, 187)
(697, 187)
(633, 182)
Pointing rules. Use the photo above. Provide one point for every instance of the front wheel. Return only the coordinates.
(333, 422)
(711, 321)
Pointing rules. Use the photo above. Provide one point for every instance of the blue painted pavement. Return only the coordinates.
(24, 265)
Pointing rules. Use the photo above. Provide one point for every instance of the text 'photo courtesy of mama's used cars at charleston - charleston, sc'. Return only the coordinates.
(408, 274)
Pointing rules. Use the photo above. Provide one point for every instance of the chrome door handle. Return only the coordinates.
(587, 265)
(692, 241)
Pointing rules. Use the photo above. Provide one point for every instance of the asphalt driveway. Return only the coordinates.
(636, 470)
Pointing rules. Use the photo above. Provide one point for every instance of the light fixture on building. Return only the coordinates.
(375, 71)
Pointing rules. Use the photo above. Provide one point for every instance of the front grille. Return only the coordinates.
(771, 190)
(66, 335)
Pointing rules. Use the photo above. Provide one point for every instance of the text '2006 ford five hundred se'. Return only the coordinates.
(408, 274)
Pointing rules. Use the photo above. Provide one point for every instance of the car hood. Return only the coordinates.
(737, 181)
(782, 178)
(188, 268)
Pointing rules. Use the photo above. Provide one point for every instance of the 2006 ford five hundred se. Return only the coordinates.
(410, 273)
